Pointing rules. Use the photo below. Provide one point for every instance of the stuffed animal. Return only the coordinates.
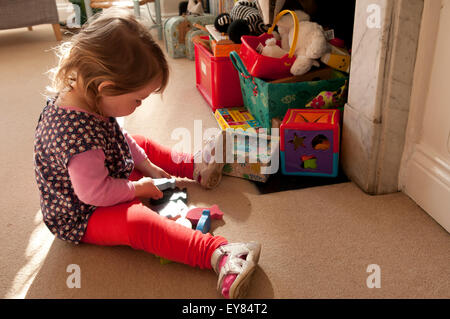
(285, 25)
(243, 19)
(272, 49)
(330, 14)
(311, 43)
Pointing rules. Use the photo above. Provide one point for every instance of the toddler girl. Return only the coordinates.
(90, 172)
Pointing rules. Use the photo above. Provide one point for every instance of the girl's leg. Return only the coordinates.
(135, 225)
(161, 156)
(207, 171)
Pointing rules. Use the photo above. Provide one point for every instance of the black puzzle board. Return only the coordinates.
(170, 194)
(281, 183)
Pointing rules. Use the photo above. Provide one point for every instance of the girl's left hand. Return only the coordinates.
(149, 169)
(159, 173)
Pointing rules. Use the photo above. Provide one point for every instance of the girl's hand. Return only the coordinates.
(159, 172)
(149, 169)
(146, 188)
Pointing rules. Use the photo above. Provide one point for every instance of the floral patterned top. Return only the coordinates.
(61, 134)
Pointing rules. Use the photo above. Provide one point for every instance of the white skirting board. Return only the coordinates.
(428, 184)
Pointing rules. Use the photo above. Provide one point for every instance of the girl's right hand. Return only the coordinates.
(147, 189)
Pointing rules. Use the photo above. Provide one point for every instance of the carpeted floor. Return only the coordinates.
(317, 242)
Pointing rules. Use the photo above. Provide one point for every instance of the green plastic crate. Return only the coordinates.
(267, 101)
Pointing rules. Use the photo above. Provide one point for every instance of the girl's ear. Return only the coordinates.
(103, 85)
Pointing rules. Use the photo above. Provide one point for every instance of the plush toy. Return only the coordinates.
(243, 19)
(311, 44)
(285, 25)
(272, 49)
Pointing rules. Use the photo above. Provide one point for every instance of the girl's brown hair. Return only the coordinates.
(114, 47)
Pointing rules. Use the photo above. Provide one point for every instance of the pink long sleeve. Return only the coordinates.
(91, 182)
(137, 152)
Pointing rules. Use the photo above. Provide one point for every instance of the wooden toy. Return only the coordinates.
(204, 224)
(195, 214)
(171, 194)
(164, 183)
(184, 221)
(309, 142)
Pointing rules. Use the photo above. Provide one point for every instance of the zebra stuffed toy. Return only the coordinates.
(243, 19)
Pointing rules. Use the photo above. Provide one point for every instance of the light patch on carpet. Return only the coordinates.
(35, 254)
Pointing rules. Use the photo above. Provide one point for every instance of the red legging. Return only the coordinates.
(135, 225)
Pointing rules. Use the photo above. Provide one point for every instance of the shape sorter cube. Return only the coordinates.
(309, 142)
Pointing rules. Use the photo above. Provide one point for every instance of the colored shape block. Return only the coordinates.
(184, 222)
(195, 214)
(171, 195)
(172, 204)
(164, 183)
(310, 163)
(204, 224)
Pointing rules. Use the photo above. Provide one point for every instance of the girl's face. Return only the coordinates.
(125, 104)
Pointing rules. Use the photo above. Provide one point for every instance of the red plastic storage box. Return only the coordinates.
(217, 79)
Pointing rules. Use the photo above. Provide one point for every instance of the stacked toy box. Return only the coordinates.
(255, 156)
(216, 79)
(236, 118)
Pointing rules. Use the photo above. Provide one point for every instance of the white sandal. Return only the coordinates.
(242, 260)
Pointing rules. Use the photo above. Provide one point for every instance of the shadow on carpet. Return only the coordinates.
(281, 183)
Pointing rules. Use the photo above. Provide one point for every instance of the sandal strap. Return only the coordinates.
(232, 266)
(234, 250)
(241, 260)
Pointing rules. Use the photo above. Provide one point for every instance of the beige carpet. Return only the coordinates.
(317, 242)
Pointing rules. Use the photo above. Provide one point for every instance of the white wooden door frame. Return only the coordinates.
(425, 168)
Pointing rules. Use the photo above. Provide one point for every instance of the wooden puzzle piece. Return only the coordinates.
(204, 223)
(195, 214)
(172, 204)
(164, 183)
(171, 195)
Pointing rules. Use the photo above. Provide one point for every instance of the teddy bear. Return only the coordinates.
(311, 43)
(243, 19)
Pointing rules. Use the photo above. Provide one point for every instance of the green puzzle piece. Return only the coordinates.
(311, 163)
